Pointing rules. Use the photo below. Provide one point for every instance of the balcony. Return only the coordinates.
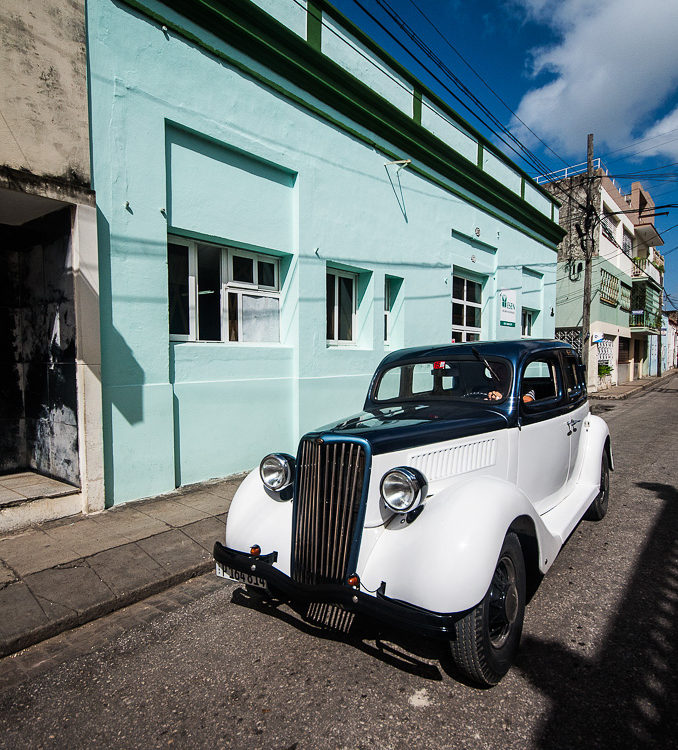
(645, 319)
(643, 268)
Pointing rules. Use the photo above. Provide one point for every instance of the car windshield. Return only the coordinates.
(458, 379)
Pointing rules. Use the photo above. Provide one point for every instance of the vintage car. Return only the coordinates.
(435, 507)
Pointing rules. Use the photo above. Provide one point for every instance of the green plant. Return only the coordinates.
(604, 370)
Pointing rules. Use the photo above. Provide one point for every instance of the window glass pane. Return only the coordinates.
(209, 293)
(457, 314)
(473, 291)
(232, 317)
(266, 273)
(458, 287)
(260, 317)
(345, 309)
(472, 337)
(330, 306)
(177, 266)
(473, 316)
(422, 380)
(571, 383)
(243, 269)
(389, 387)
(541, 376)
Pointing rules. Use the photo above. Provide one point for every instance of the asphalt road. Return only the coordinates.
(204, 665)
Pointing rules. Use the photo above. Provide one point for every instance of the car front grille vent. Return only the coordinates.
(329, 491)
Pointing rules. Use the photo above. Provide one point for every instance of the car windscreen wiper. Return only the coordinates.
(477, 354)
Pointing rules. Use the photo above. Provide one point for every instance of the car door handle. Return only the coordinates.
(572, 425)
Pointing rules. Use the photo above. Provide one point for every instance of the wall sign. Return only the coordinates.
(596, 337)
(507, 307)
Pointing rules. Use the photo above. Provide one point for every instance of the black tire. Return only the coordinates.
(487, 637)
(598, 508)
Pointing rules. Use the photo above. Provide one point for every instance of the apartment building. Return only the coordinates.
(627, 275)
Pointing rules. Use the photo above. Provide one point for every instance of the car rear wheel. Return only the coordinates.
(487, 637)
(598, 508)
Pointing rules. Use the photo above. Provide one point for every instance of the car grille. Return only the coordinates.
(329, 490)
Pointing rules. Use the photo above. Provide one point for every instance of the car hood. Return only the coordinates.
(408, 426)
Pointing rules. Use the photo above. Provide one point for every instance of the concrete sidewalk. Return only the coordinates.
(64, 573)
(620, 392)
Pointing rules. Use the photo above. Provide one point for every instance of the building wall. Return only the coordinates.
(188, 145)
(43, 96)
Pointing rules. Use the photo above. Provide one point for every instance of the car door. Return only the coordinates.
(544, 435)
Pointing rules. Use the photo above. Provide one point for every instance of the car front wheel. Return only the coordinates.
(598, 508)
(487, 637)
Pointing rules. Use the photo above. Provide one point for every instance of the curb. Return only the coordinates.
(69, 622)
(645, 387)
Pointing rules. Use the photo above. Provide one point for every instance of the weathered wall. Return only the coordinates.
(43, 97)
(38, 427)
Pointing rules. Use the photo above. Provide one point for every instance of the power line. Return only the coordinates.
(481, 79)
(450, 75)
(636, 143)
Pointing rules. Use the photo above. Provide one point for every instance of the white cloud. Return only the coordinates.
(614, 64)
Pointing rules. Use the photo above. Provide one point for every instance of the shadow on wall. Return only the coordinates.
(116, 358)
(628, 696)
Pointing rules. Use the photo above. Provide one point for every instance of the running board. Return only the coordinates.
(561, 520)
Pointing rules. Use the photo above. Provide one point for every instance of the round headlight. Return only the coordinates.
(277, 471)
(403, 489)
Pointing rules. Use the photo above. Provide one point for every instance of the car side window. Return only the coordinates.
(574, 386)
(540, 384)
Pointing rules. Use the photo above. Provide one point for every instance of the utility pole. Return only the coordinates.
(587, 244)
(659, 338)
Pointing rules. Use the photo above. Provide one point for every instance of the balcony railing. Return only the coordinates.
(645, 319)
(643, 267)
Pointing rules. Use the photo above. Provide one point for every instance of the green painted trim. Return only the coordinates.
(292, 58)
(416, 106)
(553, 209)
(481, 158)
(399, 68)
(314, 25)
(522, 194)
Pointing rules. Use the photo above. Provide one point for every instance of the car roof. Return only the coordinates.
(511, 350)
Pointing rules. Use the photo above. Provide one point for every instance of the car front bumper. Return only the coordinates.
(391, 612)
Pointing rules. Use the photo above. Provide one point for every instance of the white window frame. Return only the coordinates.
(529, 316)
(227, 285)
(354, 313)
(464, 330)
(192, 288)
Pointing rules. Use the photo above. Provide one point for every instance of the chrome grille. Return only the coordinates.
(329, 489)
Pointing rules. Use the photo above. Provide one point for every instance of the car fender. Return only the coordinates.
(260, 516)
(444, 560)
(597, 441)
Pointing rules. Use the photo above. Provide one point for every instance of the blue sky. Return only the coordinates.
(566, 68)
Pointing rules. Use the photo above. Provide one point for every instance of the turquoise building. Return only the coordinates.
(279, 205)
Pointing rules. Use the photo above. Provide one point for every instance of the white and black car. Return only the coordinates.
(461, 479)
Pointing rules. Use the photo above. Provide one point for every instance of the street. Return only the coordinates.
(208, 665)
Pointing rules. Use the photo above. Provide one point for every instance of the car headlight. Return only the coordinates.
(403, 489)
(277, 471)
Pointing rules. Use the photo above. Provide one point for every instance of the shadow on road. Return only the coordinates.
(628, 695)
(399, 650)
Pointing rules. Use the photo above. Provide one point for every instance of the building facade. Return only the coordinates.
(279, 205)
(626, 282)
(50, 390)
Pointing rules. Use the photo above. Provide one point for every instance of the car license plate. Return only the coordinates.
(225, 571)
